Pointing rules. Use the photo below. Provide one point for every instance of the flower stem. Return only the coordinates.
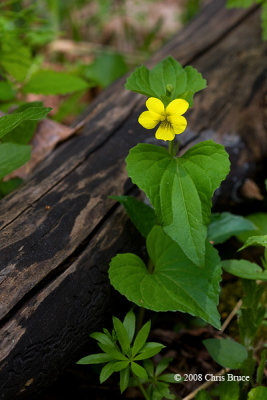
(171, 143)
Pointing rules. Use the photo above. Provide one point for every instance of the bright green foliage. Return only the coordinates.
(259, 220)
(261, 367)
(142, 215)
(16, 60)
(225, 225)
(180, 189)
(121, 352)
(258, 393)
(105, 69)
(226, 352)
(29, 113)
(175, 284)
(167, 81)
(227, 390)
(252, 312)
(248, 3)
(157, 381)
(12, 156)
(54, 82)
(244, 269)
(240, 3)
(202, 395)
(7, 92)
(9, 186)
(255, 241)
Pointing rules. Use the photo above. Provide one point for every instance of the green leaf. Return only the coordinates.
(166, 74)
(180, 189)
(226, 352)
(138, 370)
(203, 395)
(13, 156)
(142, 216)
(102, 338)
(7, 92)
(9, 186)
(176, 283)
(225, 225)
(95, 359)
(30, 113)
(54, 82)
(112, 351)
(162, 365)
(122, 335)
(239, 3)
(106, 69)
(255, 241)
(141, 338)
(244, 269)
(16, 61)
(124, 379)
(259, 220)
(120, 365)
(149, 367)
(129, 324)
(163, 390)
(227, 390)
(106, 372)
(258, 393)
(167, 378)
(264, 21)
(150, 349)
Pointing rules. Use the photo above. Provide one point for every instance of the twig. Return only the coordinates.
(205, 385)
(231, 315)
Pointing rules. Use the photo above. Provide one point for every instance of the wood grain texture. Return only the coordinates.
(59, 231)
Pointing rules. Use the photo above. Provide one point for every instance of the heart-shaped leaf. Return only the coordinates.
(181, 189)
(176, 283)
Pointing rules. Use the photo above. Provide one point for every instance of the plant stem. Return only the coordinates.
(171, 143)
(141, 387)
(140, 319)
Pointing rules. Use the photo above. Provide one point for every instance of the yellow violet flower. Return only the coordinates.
(170, 118)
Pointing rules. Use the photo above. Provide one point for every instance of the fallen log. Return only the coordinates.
(59, 230)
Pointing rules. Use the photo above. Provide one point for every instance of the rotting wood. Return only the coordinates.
(59, 231)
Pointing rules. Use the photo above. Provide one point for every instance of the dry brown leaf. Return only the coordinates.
(250, 190)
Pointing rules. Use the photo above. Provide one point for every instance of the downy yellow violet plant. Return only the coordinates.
(183, 270)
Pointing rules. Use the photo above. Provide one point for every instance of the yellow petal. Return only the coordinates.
(149, 119)
(177, 107)
(156, 106)
(165, 132)
(178, 123)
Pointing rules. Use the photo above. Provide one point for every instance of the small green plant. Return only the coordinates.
(123, 349)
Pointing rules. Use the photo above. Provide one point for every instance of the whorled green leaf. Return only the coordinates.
(255, 241)
(129, 324)
(244, 269)
(30, 112)
(225, 225)
(150, 349)
(176, 283)
(181, 189)
(141, 338)
(54, 82)
(138, 370)
(142, 216)
(95, 359)
(167, 81)
(122, 335)
(226, 352)
(124, 379)
(13, 156)
(258, 393)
